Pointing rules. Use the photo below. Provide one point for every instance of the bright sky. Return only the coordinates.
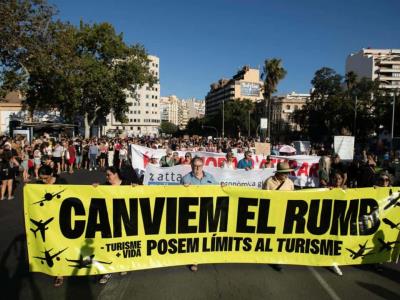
(200, 41)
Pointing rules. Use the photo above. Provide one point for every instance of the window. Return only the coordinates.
(123, 127)
(131, 127)
(130, 120)
(147, 96)
(138, 128)
(156, 104)
(147, 112)
(288, 107)
(296, 107)
(155, 97)
(147, 104)
(396, 75)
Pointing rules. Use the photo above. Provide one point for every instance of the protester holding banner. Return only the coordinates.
(113, 178)
(46, 176)
(280, 180)
(229, 163)
(338, 166)
(167, 160)
(246, 162)
(197, 176)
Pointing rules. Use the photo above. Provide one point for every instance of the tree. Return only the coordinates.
(272, 73)
(90, 72)
(360, 109)
(23, 34)
(168, 127)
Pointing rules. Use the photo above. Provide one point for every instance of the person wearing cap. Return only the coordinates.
(246, 162)
(280, 180)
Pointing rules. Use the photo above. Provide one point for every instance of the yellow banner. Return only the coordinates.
(81, 230)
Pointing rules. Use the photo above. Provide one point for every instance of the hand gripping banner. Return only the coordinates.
(84, 230)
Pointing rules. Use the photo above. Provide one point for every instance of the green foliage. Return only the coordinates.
(273, 72)
(360, 109)
(236, 118)
(23, 33)
(168, 127)
(194, 126)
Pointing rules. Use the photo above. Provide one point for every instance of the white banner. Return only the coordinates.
(305, 167)
(155, 175)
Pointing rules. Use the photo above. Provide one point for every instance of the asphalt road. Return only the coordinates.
(217, 281)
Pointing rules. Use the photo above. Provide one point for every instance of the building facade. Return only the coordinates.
(144, 112)
(180, 111)
(380, 64)
(169, 109)
(246, 84)
(284, 106)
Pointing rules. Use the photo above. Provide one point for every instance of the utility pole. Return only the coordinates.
(394, 106)
(248, 134)
(223, 119)
(355, 118)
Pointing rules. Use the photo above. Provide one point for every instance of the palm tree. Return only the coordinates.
(351, 80)
(272, 73)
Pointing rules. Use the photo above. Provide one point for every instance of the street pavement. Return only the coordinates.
(213, 281)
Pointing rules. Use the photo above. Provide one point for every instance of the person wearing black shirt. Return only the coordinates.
(79, 154)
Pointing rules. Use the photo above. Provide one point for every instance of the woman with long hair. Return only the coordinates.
(324, 171)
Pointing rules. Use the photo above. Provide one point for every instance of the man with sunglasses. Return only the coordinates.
(246, 162)
(197, 176)
(167, 160)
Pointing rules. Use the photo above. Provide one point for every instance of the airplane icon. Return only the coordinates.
(387, 245)
(392, 200)
(49, 197)
(390, 223)
(41, 226)
(360, 252)
(85, 262)
(49, 258)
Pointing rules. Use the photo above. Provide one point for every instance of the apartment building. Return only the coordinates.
(380, 64)
(144, 112)
(284, 106)
(180, 111)
(245, 84)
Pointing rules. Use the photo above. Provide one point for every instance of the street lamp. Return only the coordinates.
(393, 110)
(223, 118)
(248, 134)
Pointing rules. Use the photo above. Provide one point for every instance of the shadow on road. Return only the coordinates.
(380, 291)
(11, 279)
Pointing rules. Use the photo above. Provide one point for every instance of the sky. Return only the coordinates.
(200, 41)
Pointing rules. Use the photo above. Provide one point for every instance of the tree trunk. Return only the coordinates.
(87, 126)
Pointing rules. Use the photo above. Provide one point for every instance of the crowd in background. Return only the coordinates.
(21, 159)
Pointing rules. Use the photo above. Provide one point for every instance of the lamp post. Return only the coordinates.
(223, 119)
(355, 118)
(248, 132)
(393, 110)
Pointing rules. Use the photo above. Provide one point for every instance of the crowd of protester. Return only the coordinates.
(45, 158)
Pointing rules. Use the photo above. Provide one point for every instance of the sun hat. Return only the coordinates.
(283, 167)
